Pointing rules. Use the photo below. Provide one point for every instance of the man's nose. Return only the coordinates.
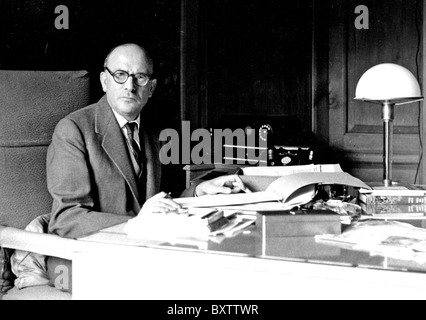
(130, 84)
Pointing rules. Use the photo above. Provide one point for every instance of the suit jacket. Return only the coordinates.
(90, 174)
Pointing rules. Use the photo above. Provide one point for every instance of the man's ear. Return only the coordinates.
(153, 86)
(103, 78)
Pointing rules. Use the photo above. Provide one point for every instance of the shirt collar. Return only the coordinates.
(122, 121)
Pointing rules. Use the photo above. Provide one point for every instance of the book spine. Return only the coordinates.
(382, 208)
(218, 224)
(376, 199)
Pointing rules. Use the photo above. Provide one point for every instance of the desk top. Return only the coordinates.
(250, 243)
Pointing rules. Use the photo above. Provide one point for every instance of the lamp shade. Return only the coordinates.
(387, 82)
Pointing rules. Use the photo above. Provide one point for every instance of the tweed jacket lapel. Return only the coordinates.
(114, 144)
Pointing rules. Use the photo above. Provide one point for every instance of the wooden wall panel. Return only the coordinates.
(392, 37)
(258, 58)
(356, 128)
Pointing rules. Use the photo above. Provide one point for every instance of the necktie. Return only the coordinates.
(133, 147)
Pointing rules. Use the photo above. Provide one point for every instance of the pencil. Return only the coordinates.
(242, 186)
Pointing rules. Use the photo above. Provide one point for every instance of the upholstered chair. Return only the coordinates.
(31, 104)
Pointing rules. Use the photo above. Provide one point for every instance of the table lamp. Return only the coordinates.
(389, 85)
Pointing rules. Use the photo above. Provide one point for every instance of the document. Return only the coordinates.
(391, 238)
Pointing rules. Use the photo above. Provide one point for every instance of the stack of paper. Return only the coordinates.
(196, 223)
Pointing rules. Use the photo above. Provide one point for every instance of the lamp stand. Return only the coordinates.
(388, 116)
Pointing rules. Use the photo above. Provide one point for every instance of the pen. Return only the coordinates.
(242, 187)
(247, 190)
(177, 210)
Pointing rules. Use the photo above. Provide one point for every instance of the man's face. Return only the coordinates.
(127, 99)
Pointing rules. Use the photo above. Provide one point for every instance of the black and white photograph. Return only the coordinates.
(212, 155)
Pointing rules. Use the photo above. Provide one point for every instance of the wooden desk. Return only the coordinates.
(236, 268)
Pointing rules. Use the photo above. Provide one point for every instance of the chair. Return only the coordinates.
(31, 104)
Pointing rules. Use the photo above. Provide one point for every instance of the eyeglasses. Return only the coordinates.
(120, 76)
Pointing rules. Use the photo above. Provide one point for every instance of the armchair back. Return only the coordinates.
(31, 104)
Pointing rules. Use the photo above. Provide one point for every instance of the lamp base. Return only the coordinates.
(390, 184)
(381, 185)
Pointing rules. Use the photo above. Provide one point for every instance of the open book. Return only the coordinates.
(287, 191)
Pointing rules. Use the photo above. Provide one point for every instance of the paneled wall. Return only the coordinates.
(305, 58)
(254, 57)
(356, 128)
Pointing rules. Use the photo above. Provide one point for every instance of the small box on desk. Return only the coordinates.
(298, 223)
(297, 247)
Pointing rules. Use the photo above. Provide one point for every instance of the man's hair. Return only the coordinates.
(146, 53)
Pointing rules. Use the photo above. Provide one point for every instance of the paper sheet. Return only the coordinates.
(227, 199)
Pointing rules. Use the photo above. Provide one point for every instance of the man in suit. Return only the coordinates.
(102, 171)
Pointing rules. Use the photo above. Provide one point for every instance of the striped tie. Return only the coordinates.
(133, 147)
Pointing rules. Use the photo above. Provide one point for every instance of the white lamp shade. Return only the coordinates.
(387, 82)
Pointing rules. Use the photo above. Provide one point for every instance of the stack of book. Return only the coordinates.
(400, 202)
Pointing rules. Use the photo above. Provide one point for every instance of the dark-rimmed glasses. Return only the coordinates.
(120, 76)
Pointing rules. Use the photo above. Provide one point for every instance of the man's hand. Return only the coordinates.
(160, 203)
(224, 184)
